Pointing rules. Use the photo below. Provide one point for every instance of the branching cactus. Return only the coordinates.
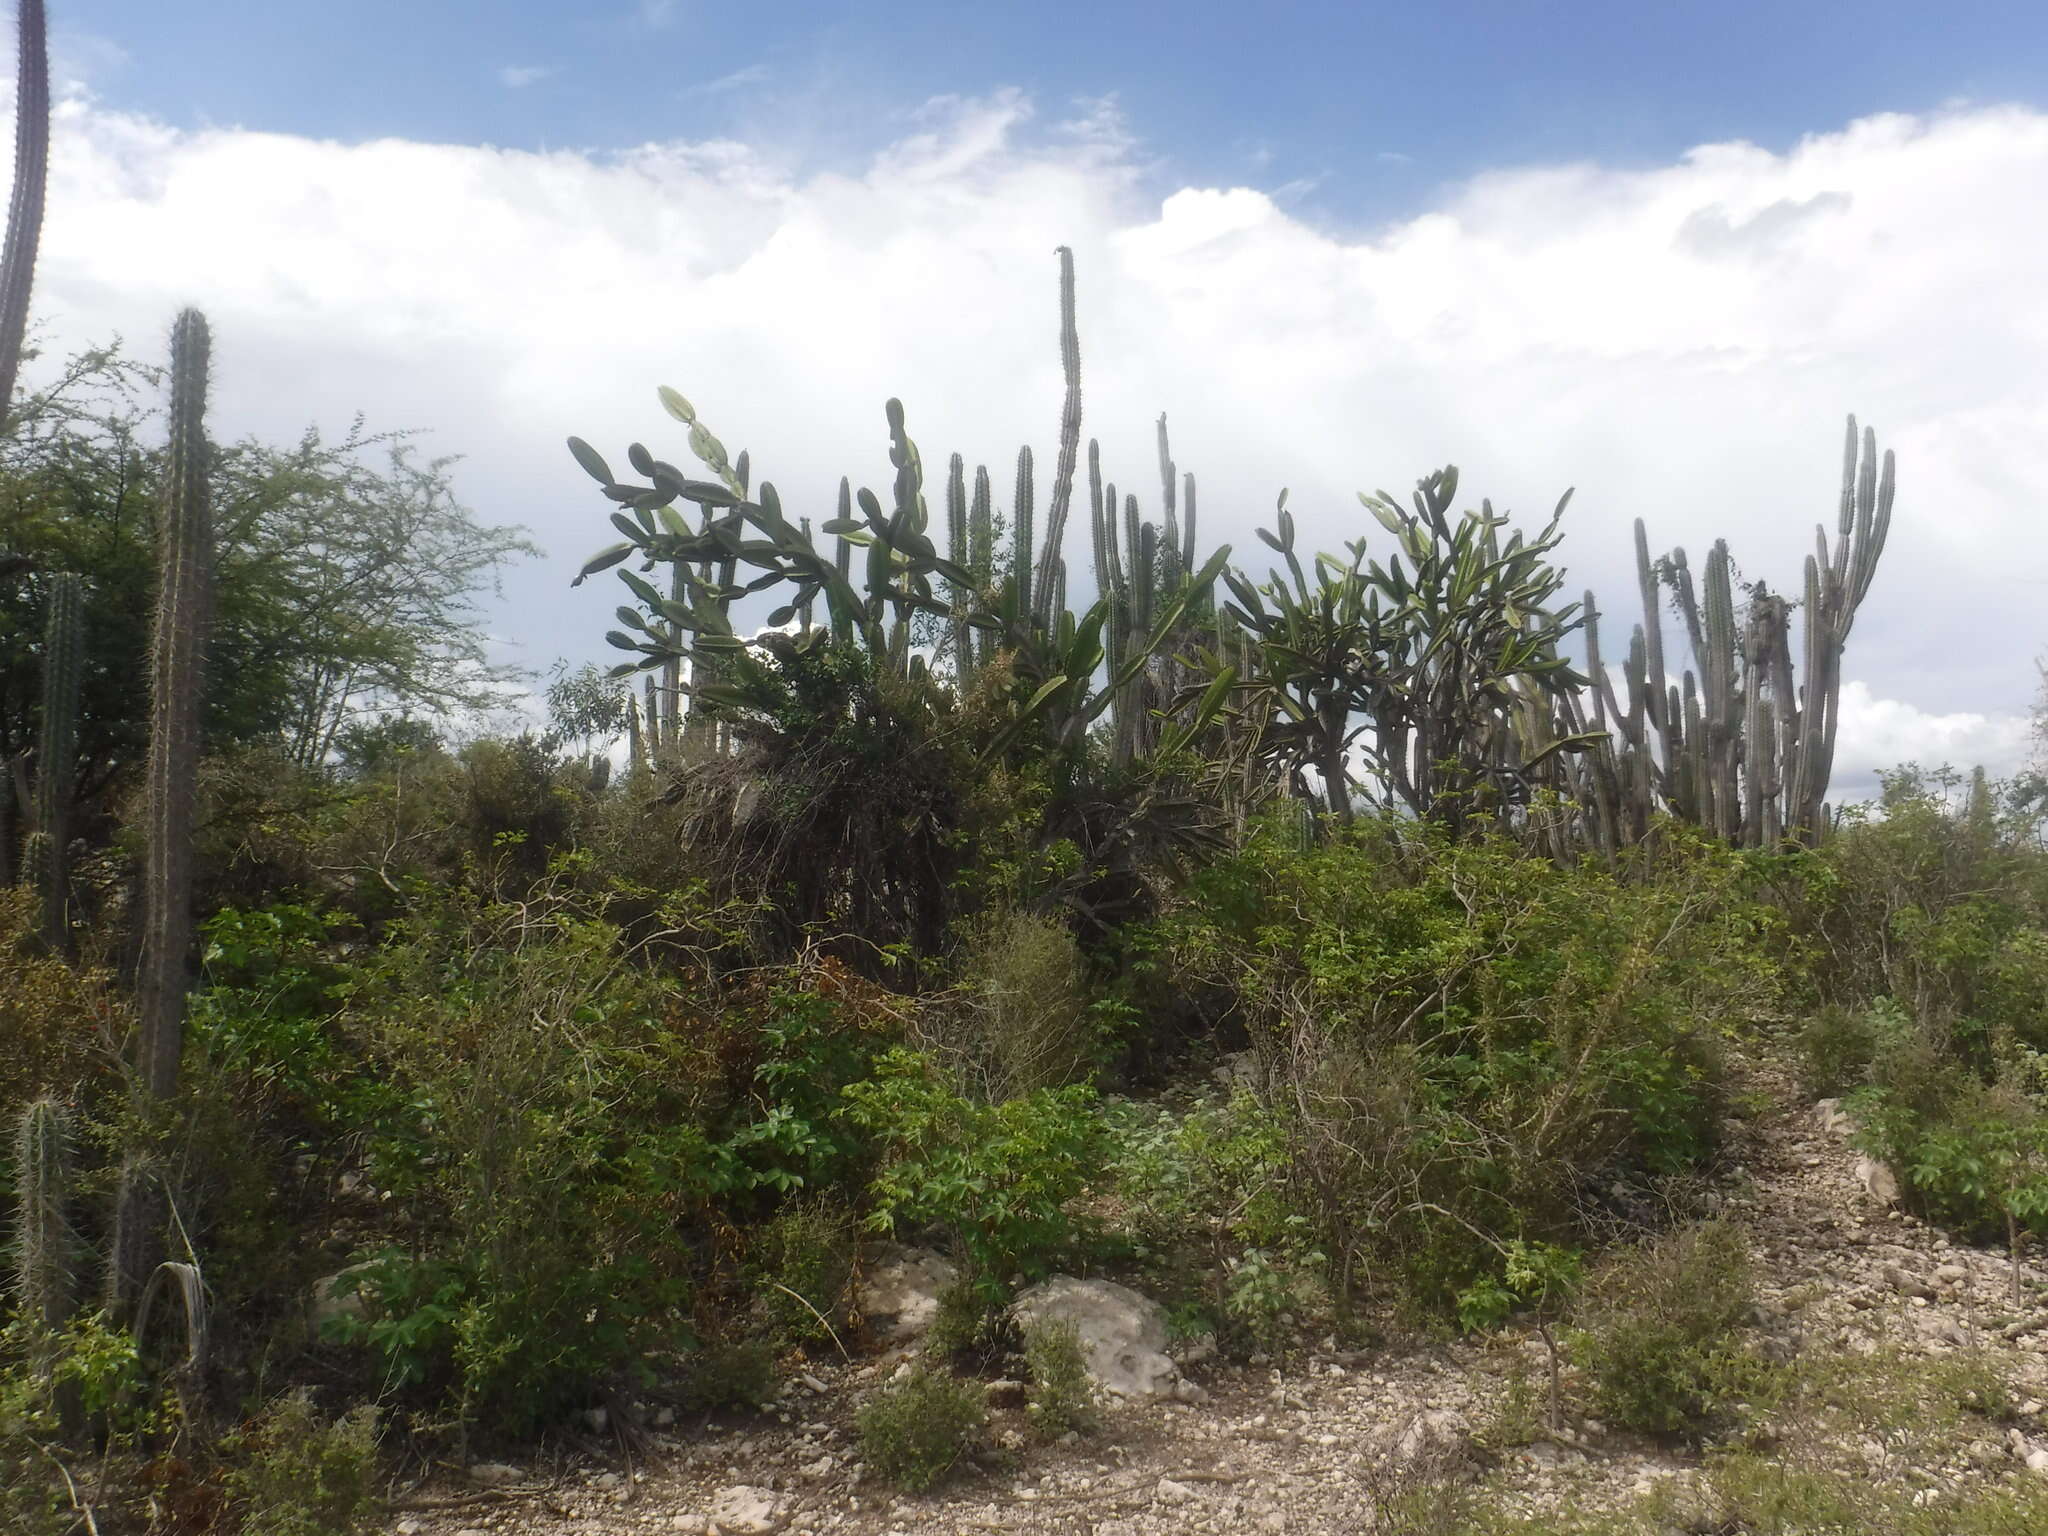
(185, 557)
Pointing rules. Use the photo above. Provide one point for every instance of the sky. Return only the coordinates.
(1654, 253)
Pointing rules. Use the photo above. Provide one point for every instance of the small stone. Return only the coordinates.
(1004, 1394)
(1171, 1492)
(1878, 1181)
(745, 1510)
(690, 1525)
(494, 1474)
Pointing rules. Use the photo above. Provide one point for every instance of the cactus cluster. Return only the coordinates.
(1741, 744)
(1014, 606)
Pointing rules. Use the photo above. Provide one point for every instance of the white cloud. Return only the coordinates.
(1680, 342)
(518, 76)
(739, 79)
(1878, 733)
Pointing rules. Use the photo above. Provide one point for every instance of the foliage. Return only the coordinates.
(996, 1177)
(345, 588)
(1657, 1329)
(802, 1263)
(1204, 1205)
(1021, 1017)
(60, 1022)
(292, 1472)
(1062, 1397)
(916, 1432)
(1460, 1039)
(1428, 673)
(544, 1131)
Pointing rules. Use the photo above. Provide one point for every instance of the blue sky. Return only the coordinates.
(1318, 98)
(1654, 252)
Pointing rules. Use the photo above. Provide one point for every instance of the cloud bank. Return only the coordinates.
(1680, 343)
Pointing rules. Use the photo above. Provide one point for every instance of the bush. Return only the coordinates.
(1657, 1336)
(293, 1473)
(1468, 1045)
(1020, 1018)
(802, 1266)
(1062, 1394)
(731, 1373)
(996, 1177)
(916, 1432)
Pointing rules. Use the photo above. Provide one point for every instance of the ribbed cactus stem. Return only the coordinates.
(962, 597)
(1070, 447)
(57, 749)
(1169, 545)
(136, 1241)
(1025, 551)
(43, 1248)
(184, 599)
(981, 553)
(25, 208)
(1187, 523)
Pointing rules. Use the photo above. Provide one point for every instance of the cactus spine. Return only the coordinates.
(63, 653)
(185, 545)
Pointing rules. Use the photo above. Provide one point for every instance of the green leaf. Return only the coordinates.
(592, 461)
(603, 560)
(676, 405)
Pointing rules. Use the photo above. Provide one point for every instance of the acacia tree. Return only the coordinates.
(348, 581)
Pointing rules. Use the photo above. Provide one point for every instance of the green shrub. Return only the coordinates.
(997, 1177)
(916, 1432)
(1836, 1050)
(801, 1263)
(1062, 1395)
(731, 1373)
(1208, 1208)
(291, 1472)
(971, 1325)
(1020, 1018)
(1657, 1336)
(1464, 1037)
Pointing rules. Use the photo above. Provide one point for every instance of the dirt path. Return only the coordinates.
(1327, 1445)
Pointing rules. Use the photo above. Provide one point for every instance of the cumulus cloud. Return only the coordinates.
(1679, 342)
(1878, 733)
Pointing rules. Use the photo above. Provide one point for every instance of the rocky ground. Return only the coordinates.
(1894, 1331)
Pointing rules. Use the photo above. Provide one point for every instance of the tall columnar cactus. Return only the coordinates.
(1742, 746)
(63, 663)
(1022, 529)
(184, 597)
(44, 1254)
(1050, 575)
(25, 209)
